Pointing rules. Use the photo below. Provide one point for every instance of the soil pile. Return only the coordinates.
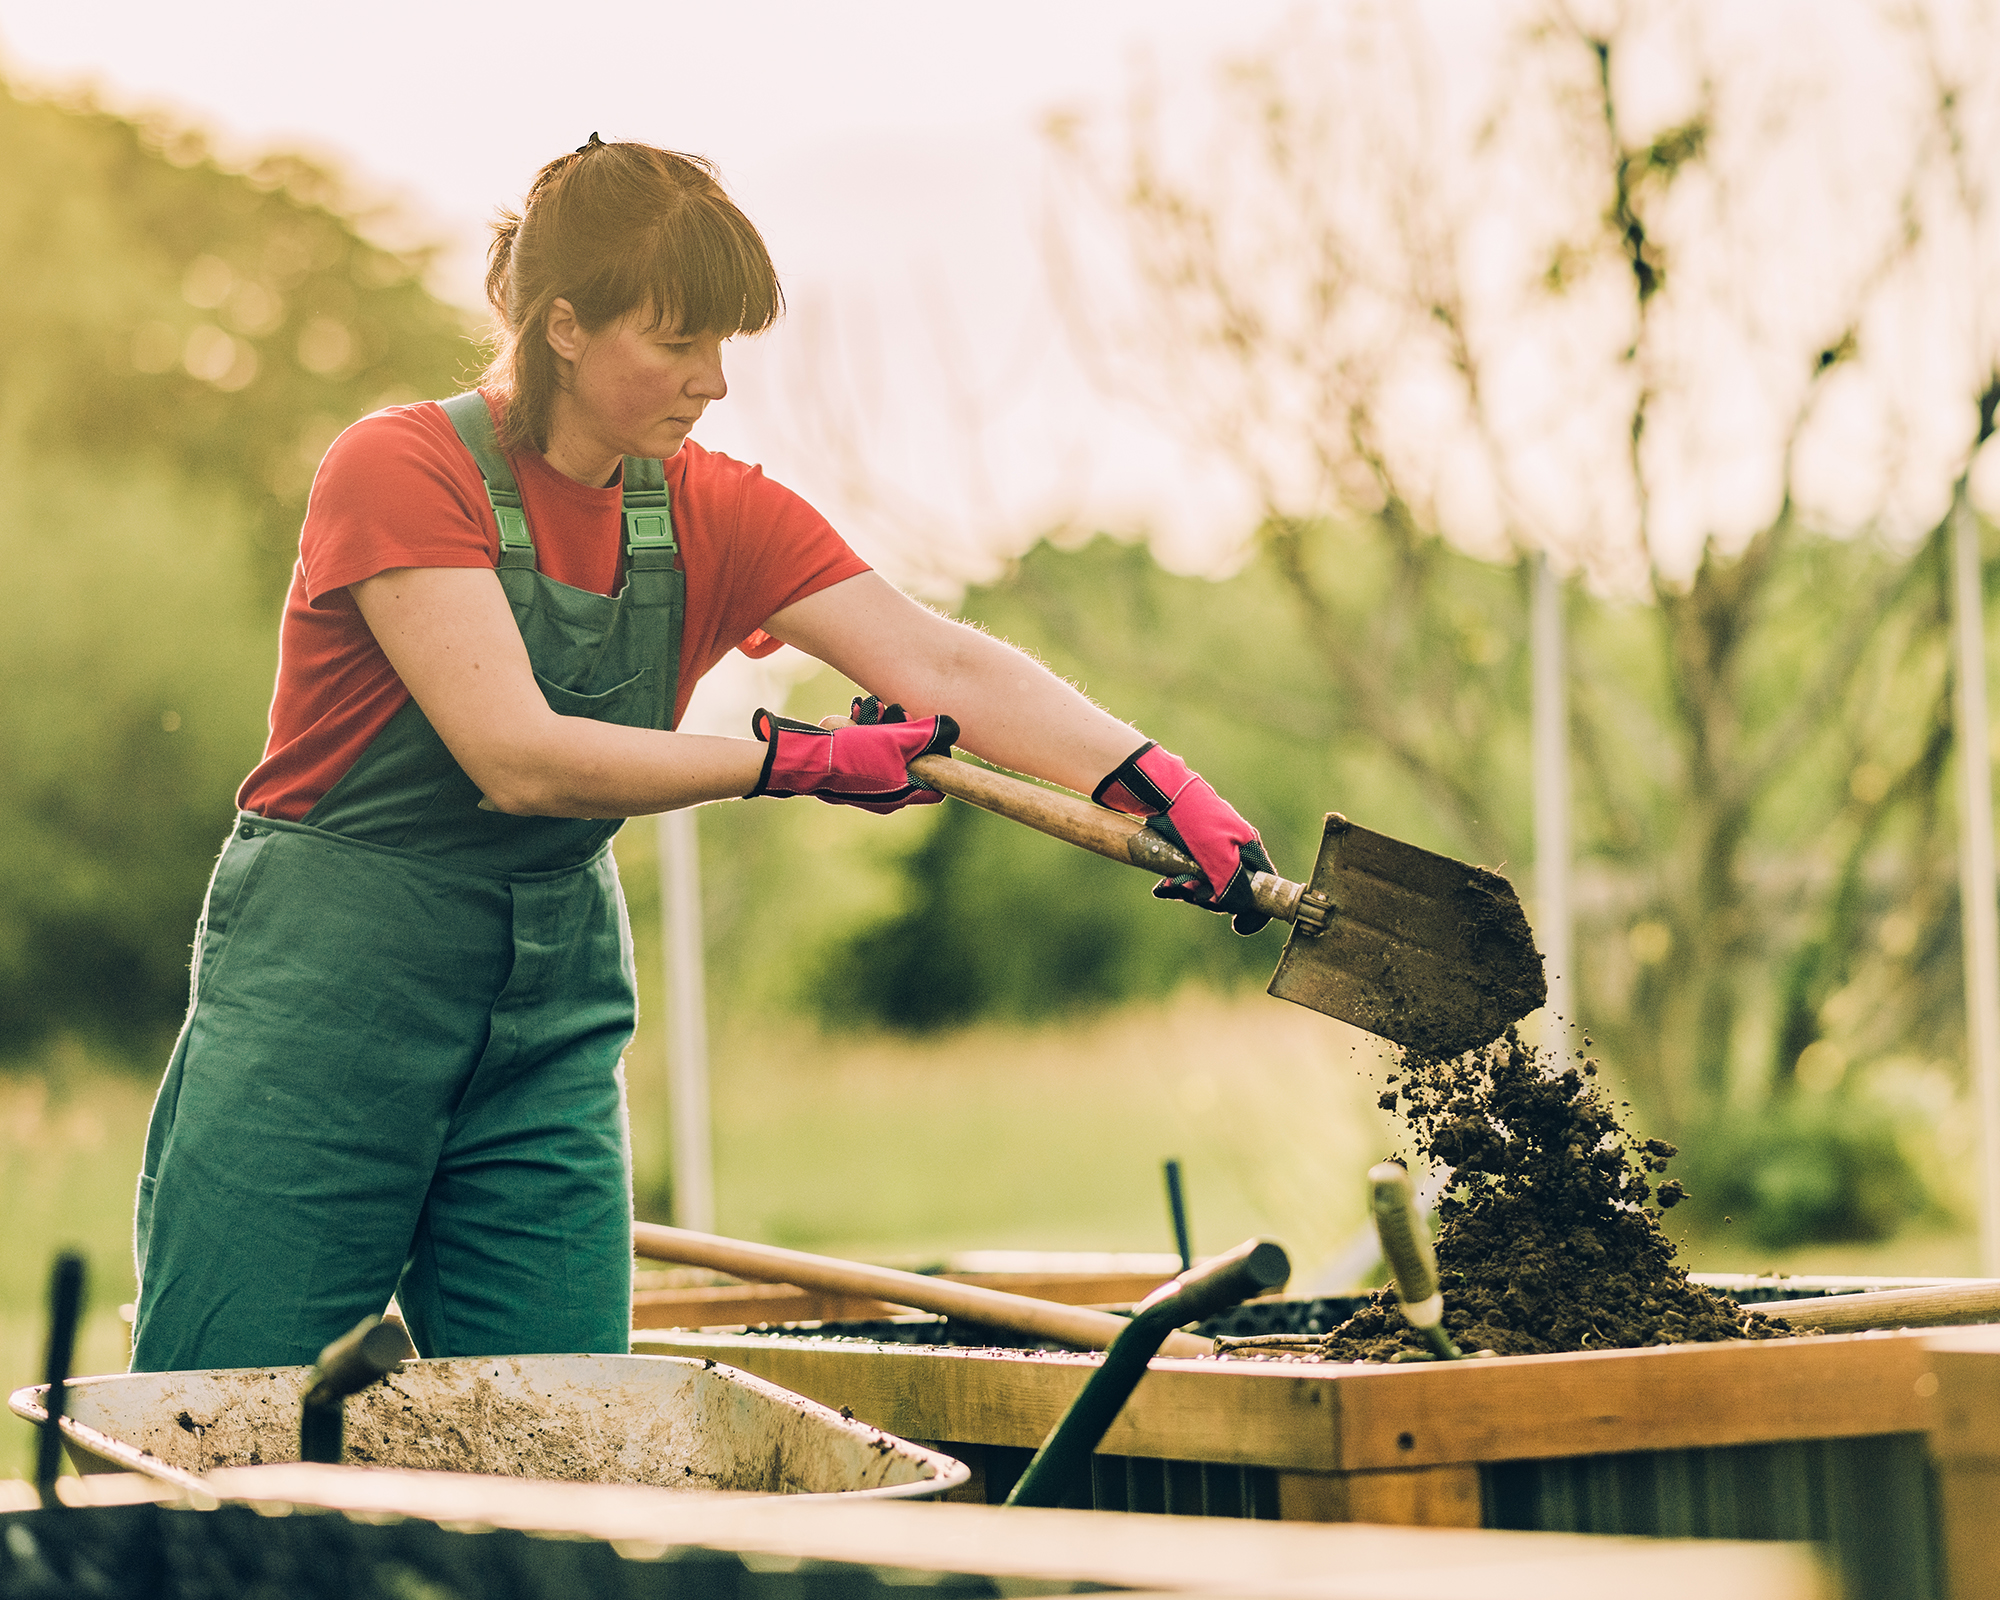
(1550, 1239)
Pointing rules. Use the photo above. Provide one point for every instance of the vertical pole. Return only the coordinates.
(1177, 1214)
(1552, 807)
(1976, 888)
(687, 1021)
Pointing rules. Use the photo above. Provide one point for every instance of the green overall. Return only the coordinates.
(400, 1066)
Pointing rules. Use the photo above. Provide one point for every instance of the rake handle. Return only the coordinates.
(764, 1263)
(1112, 834)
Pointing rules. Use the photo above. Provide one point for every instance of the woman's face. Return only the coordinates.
(632, 389)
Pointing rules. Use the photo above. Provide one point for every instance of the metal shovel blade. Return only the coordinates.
(1427, 952)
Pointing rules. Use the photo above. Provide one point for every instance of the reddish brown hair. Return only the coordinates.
(614, 228)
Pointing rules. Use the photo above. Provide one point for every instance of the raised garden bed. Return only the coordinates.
(1821, 1438)
(363, 1533)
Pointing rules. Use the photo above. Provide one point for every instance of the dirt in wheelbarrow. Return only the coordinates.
(1550, 1238)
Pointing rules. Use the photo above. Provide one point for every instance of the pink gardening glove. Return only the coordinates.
(865, 765)
(1179, 805)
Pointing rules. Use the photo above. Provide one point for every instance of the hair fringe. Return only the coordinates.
(693, 254)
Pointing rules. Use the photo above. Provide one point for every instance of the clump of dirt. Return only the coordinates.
(1550, 1237)
(1496, 933)
(1491, 973)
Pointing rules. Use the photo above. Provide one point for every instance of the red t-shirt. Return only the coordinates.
(398, 489)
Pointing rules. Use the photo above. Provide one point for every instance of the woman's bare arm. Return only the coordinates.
(1010, 709)
(450, 635)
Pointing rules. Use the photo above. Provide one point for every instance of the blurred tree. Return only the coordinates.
(182, 342)
(1225, 672)
(1669, 305)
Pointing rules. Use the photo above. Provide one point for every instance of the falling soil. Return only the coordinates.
(1550, 1237)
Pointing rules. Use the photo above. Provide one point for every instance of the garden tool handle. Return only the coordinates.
(1943, 1305)
(65, 1312)
(1251, 1268)
(371, 1350)
(367, 1353)
(1020, 1313)
(1407, 1248)
(1254, 1267)
(1075, 820)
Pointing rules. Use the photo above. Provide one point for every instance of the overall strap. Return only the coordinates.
(649, 515)
(474, 423)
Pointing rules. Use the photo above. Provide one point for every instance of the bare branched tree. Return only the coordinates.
(1689, 308)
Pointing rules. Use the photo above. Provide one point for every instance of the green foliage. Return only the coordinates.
(1842, 941)
(1806, 1169)
(996, 920)
(1763, 811)
(182, 342)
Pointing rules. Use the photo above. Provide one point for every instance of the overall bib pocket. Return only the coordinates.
(627, 697)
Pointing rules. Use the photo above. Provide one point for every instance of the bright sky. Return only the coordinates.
(919, 392)
(923, 391)
(889, 150)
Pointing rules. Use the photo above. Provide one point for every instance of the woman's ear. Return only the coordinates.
(564, 333)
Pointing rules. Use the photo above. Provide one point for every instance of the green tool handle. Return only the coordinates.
(1254, 1267)
(1250, 1269)
(1406, 1246)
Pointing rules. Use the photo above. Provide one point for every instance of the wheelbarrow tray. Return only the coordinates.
(664, 1421)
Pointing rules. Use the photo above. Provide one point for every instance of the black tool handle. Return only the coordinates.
(1249, 1269)
(65, 1312)
(356, 1359)
(370, 1351)
(1254, 1267)
(1177, 1209)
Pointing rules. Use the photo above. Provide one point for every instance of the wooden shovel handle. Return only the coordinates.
(1018, 1313)
(1938, 1306)
(1070, 817)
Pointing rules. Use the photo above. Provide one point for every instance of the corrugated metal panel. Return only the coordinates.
(1144, 1483)
(1871, 1501)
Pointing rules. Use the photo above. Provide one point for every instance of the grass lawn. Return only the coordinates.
(878, 1147)
(886, 1148)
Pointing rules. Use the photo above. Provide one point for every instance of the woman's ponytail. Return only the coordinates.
(500, 263)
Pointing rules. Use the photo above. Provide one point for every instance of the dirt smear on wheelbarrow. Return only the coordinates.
(1550, 1238)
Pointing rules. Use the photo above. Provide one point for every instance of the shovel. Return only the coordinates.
(1422, 950)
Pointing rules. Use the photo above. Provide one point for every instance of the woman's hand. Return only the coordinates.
(451, 636)
(1180, 805)
(845, 762)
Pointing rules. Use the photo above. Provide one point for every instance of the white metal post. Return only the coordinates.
(1552, 801)
(687, 1021)
(1976, 885)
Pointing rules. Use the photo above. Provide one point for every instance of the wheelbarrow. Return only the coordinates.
(665, 1421)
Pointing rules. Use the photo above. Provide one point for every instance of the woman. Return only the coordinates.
(413, 977)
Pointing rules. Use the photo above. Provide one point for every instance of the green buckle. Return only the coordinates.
(513, 523)
(649, 530)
